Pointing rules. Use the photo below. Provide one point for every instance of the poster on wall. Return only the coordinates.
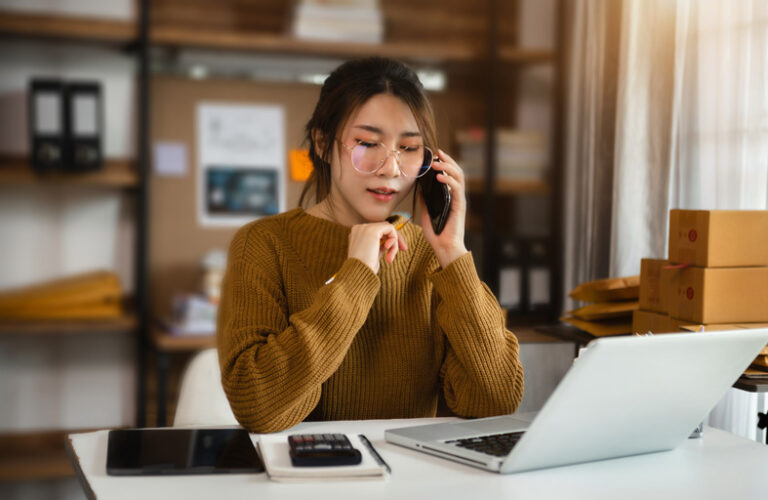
(241, 162)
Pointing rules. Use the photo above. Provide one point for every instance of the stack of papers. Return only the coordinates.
(274, 453)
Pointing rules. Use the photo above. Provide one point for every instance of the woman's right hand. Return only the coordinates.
(368, 242)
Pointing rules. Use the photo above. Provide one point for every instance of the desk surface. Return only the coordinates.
(719, 465)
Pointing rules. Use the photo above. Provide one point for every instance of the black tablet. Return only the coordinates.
(133, 452)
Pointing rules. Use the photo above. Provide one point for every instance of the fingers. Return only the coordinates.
(451, 182)
(391, 241)
(451, 174)
(448, 165)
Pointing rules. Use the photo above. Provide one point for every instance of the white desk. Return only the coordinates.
(717, 466)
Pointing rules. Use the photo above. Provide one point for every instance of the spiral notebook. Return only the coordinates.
(274, 453)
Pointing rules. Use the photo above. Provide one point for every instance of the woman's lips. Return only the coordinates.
(382, 195)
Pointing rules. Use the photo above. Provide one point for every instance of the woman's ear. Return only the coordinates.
(318, 141)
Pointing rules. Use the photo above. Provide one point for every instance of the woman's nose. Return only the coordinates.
(391, 168)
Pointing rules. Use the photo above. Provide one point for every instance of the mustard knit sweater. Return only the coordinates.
(363, 346)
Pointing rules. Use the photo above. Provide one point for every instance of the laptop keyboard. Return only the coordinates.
(497, 445)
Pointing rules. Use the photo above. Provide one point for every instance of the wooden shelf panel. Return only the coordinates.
(508, 186)
(167, 342)
(123, 32)
(283, 44)
(124, 324)
(66, 27)
(34, 455)
(116, 173)
(519, 55)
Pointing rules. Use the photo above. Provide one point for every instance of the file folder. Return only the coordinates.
(84, 126)
(47, 124)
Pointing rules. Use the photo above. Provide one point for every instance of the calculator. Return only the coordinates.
(313, 450)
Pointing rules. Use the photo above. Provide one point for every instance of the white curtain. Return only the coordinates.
(692, 117)
(690, 131)
(592, 39)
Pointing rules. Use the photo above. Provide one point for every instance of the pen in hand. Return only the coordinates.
(398, 227)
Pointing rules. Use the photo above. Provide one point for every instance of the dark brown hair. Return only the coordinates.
(345, 90)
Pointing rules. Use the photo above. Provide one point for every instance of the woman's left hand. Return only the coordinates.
(449, 244)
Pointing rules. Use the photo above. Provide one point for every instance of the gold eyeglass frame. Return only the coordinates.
(389, 152)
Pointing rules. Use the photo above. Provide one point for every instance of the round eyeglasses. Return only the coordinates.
(368, 158)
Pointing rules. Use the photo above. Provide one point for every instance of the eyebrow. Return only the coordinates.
(377, 130)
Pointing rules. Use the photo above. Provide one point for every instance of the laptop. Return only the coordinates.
(623, 396)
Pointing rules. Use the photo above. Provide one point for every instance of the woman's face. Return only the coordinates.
(359, 198)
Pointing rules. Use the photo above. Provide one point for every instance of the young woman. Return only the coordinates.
(331, 313)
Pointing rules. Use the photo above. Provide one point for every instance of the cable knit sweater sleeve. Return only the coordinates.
(482, 374)
(273, 363)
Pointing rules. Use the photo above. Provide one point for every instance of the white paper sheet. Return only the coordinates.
(241, 162)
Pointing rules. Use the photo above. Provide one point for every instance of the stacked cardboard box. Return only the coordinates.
(653, 314)
(716, 276)
(612, 302)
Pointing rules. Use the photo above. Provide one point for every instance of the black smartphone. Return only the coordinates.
(437, 197)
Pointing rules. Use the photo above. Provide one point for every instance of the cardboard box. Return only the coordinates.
(707, 295)
(649, 321)
(652, 287)
(719, 238)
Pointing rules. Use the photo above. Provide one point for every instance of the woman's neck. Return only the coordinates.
(326, 210)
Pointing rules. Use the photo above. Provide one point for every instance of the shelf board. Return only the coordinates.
(520, 55)
(123, 32)
(508, 186)
(67, 27)
(166, 342)
(116, 173)
(123, 324)
(283, 44)
(34, 455)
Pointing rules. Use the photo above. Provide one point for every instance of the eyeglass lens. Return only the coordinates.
(413, 162)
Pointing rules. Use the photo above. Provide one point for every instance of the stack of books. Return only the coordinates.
(611, 304)
(339, 20)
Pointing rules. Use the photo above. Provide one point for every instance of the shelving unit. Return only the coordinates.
(29, 455)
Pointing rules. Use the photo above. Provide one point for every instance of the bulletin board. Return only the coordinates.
(177, 241)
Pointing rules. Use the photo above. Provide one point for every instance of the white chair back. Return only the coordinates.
(202, 401)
